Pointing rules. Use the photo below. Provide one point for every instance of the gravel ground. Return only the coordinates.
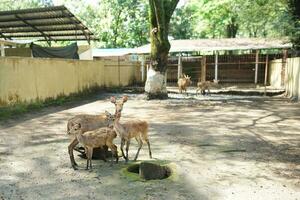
(222, 146)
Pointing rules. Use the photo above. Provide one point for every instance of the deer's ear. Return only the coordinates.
(124, 98)
(113, 99)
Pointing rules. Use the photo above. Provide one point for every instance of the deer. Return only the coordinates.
(97, 138)
(89, 123)
(205, 85)
(183, 83)
(137, 129)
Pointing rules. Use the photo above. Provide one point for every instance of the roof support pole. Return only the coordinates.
(266, 73)
(2, 50)
(256, 66)
(143, 68)
(216, 66)
(284, 58)
(179, 66)
(203, 69)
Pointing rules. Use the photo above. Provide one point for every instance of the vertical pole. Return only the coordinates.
(203, 69)
(179, 66)
(143, 68)
(284, 57)
(266, 73)
(2, 50)
(119, 73)
(216, 66)
(256, 66)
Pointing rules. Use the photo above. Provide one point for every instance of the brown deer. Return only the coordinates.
(89, 123)
(97, 138)
(205, 85)
(137, 129)
(183, 83)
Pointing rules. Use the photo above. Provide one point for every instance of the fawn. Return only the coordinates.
(89, 123)
(96, 138)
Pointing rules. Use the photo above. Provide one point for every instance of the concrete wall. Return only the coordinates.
(292, 76)
(275, 73)
(292, 80)
(28, 79)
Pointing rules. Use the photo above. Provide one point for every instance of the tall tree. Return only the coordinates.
(294, 7)
(160, 16)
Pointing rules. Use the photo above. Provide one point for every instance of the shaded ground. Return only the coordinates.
(223, 147)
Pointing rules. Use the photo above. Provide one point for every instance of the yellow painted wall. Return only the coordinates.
(28, 79)
(275, 73)
(292, 78)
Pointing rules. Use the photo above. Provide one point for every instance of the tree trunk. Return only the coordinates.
(160, 15)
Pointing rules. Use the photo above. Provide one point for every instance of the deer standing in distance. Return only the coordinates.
(183, 83)
(137, 129)
(89, 123)
(97, 138)
(205, 85)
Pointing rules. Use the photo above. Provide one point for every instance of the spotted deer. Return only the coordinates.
(89, 123)
(97, 138)
(137, 129)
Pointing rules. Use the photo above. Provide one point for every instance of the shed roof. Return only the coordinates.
(55, 23)
(112, 52)
(221, 44)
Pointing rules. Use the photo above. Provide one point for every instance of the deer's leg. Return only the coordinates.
(90, 156)
(114, 152)
(70, 150)
(122, 145)
(149, 148)
(127, 148)
(140, 146)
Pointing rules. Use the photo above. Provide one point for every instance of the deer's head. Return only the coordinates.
(110, 119)
(118, 104)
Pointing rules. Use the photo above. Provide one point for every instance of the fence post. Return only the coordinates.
(203, 68)
(284, 57)
(2, 50)
(119, 73)
(179, 66)
(216, 66)
(143, 69)
(256, 65)
(266, 74)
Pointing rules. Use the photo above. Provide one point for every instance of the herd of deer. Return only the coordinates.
(98, 131)
(184, 81)
(94, 131)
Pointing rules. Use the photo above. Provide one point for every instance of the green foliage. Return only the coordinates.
(243, 18)
(116, 23)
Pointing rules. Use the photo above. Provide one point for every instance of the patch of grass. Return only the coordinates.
(19, 108)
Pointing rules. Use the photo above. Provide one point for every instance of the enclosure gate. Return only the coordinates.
(235, 69)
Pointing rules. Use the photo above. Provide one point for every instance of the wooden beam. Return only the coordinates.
(284, 58)
(256, 66)
(216, 66)
(179, 66)
(2, 50)
(143, 68)
(266, 73)
(203, 68)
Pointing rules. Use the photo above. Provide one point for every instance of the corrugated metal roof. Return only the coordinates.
(112, 52)
(221, 44)
(55, 23)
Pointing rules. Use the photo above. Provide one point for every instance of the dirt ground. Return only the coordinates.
(223, 147)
